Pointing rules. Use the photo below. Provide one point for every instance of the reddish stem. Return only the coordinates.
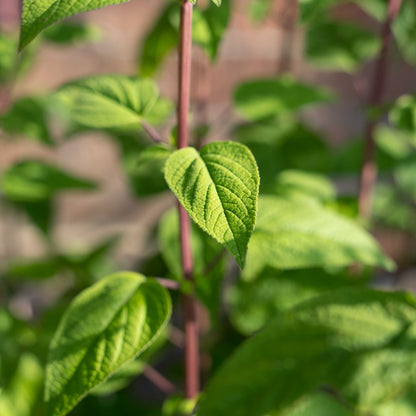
(369, 168)
(191, 328)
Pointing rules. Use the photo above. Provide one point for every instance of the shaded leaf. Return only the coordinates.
(339, 46)
(218, 187)
(106, 326)
(290, 235)
(28, 117)
(318, 343)
(34, 181)
(69, 33)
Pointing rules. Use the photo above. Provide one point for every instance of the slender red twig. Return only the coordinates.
(159, 380)
(168, 283)
(191, 329)
(369, 167)
(153, 134)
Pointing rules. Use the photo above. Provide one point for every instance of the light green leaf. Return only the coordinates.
(259, 9)
(112, 101)
(218, 187)
(403, 115)
(253, 304)
(8, 56)
(263, 98)
(318, 343)
(339, 46)
(106, 326)
(290, 235)
(405, 176)
(217, 2)
(39, 14)
(291, 183)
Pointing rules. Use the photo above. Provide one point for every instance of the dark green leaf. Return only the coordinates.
(68, 33)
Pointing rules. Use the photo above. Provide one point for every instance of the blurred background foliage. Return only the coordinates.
(79, 200)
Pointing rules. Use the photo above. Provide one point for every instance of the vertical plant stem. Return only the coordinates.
(369, 167)
(191, 329)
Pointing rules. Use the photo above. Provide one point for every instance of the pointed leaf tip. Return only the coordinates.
(218, 187)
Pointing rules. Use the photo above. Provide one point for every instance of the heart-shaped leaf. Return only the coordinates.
(218, 187)
(106, 326)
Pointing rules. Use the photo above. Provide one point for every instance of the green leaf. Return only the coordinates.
(113, 101)
(34, 269)
(105, 327)
(253, 304)
(218, 187)
(291, 183)
(28, 117)
(145, 170)
(217, 2)
(315, 9)
(39, 14)
(263, 98)
(405, 176)
(318, 343)
(209, 26)
(70, 33)
(34, 181)
(208, 265)
(290, 235)
(259, 9)
(339, 46)
(8, 56)
(403, 115)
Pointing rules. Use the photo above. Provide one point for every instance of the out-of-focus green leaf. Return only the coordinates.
(259, 9)
(112, 102)
(28, 117)
(264, 98)
(8, 55)
(322, 404)
(178, 406)
(208, 29)
(69, 33)
(34, 181)
(311, 10)
(391, 209)
(405, 176)
(34, 269)
(394, 142)
(332, 340)
(105, 327)
(290, 235)
(253, 304)
(296, 182)
(275, 146)
(218, 187)
(208, 264)
(23, 390)
(145, 171)
(339, 46)
(403, 115)
(37, 15)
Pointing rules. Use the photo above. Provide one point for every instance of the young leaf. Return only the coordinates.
(218, 187)
(290, 235)
(106, 326)
(217, 2)
(39, 14)
(112, 101)
(264, 98)
(318, 343)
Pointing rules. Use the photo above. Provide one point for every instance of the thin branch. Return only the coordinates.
(369, 167)
(168, 283)
(176, 336)
(189, 303)
(159, 380)
(153, 134)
